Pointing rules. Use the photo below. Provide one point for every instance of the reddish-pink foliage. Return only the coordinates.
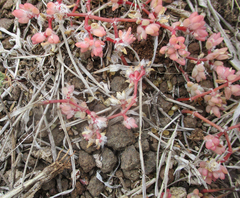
(175, 49)
(26, 12)
(212, 170)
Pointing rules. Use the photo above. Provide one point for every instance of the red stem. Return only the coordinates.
(111, 40)
(125, 110)
(115, 30)
(88, 27)
(123, 60)
(76, 6)
(182, 28)
(203, 119)
(229, 148)
(210, 91)
(137, 78)
(50, 23)
(67, 101)
(102, 18)
(183, 72)
(88, 5)
(234, 127)
(196, 59)
(215, 190)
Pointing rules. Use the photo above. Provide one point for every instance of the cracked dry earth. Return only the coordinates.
(115, 170)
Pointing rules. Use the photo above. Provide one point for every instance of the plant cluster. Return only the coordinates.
(93, 38)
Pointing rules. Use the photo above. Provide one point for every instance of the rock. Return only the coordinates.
(178, 192)
(170, 73)
(154, 146)
(95, 187)
(194, 48)
(6, 44)
(149, 158)
(6, 23)
(8, 5)
(79, 189)
(119, 137)
(52, 191)
(64, 184)
(170, 174)
(89, 64)
(18, 176)
(163, 87)
(138, 196)
(118, 83)
(164, 121)
(181, 80)
(165, 105)
(206, 84)
(15, 93)
(183, 92)
(86, 161)
(190, 122)
(78, 84)
(130, 159)
(196, 135)
(32, 2)
(99, 107)
(2, 2)
(132, 175)
(49, 185)
(87, 195)
(109, 160)
(31, 162)
(145, 145)
(58, 136)
(90, 149)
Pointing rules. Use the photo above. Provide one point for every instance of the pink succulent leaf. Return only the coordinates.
(215, 102)
(175, 50)
(97, 30)
(38, 38)
(68, 91)
(235, 90)
(141, 33)
(194, 194)
(126, 37)
(212, 170)
(196, 26)
(130, 123)
(223, 72)
(58, 10)
(26, 12)
(213, 143)
(67, 110)
(219, 54)
(198, 72)
(96, 46)
(87, 133)
(115, 4)
(194, 89)
(152, 29)
(214, 40)
(52, 37)
(100, 140)
(101, 122)
(228, 93)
